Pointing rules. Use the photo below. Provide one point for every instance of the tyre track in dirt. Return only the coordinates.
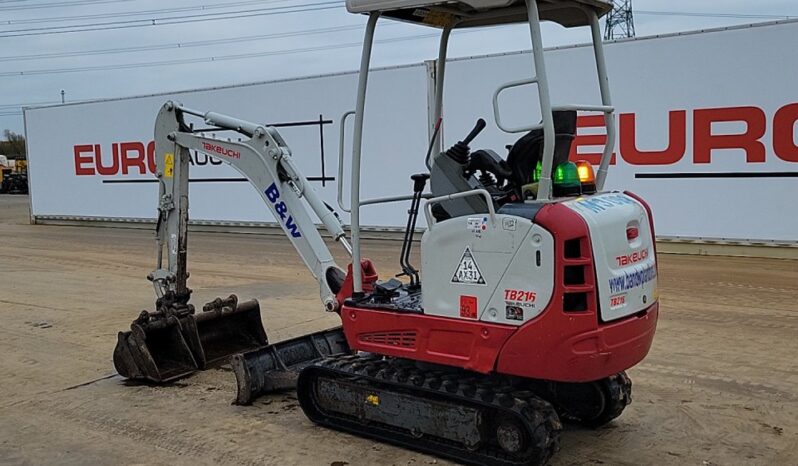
(191, 441)
(744, 386)
(739, 319)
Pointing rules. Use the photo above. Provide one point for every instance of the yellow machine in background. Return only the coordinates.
(14, 176)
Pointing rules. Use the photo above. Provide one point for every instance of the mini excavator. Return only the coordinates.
(537, 288)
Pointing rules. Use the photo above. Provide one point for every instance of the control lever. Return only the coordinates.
(460, 151)
(474, 132)
(419, 182)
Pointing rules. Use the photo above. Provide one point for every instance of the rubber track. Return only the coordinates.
(460, 387)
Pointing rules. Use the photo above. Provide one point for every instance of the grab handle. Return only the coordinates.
(474, 192)
(341, 160)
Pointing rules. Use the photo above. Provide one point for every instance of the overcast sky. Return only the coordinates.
(276, 41)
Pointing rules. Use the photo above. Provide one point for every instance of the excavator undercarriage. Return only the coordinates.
(470, 417)
(473, 419)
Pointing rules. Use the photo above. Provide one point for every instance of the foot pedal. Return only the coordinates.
(388, 288)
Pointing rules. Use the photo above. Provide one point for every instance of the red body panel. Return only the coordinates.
(469, 344)
(559, 345)
(369, 279)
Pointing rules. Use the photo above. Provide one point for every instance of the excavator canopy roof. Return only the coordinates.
(473, 13)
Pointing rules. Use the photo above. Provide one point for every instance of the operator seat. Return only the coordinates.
(528, 150)
(453, 171)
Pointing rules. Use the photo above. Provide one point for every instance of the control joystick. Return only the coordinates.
(460, 152)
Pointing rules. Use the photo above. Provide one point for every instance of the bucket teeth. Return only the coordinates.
(174, 342)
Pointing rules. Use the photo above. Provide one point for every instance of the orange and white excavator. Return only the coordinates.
(537, 288)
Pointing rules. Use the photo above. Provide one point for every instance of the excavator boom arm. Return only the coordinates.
(265, 160)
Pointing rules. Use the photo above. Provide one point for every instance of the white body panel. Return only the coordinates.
(650, 78)
(514, 288)
(626, 269)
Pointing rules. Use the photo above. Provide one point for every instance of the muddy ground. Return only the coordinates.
(720, 386)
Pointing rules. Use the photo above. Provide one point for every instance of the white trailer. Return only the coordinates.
(706, 133)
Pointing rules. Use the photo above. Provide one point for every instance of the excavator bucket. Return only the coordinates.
(225, 328)
(276, 367)
(156, 349)
(166, 345)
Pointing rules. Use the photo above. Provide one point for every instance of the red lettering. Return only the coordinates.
(784, 133)
(135, 161)
(633, 258)
(519, 295)
(677, 141)
(98, 158)
(151, 157)
(82, 160)
(704, 141)
(589, 121)
(126, 156)
(221, 150)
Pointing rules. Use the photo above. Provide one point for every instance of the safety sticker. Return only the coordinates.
(514, 313)
(477, 225)
(468, 307)
(467, 270)
(169, 165)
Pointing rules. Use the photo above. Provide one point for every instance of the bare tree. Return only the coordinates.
(13, 146)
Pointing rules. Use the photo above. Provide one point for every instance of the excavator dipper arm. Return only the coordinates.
(173, 341)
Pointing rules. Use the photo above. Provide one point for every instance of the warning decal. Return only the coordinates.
(169, 165)
(468, 307)
(467, 270)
